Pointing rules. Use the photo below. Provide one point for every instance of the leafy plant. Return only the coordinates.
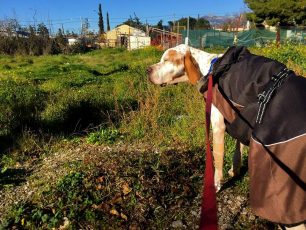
(108, 136)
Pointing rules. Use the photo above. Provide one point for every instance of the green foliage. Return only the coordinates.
(121, 191)
(294, 56)
(285, 12)
(36, 41)
(100, 23)
(6, 162)
(76, 109)
(19, 103)
(200, 23)
(79, 48)
(135, 22)
(68, 186)
(67, 200)
(108, 136)
(109, 86)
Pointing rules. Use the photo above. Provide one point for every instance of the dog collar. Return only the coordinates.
(202, 82)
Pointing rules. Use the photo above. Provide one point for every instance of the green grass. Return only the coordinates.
(72, 92)
(103, 98)
(65, 94)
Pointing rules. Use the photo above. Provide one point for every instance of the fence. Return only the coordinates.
(164, 39)
(257, 37)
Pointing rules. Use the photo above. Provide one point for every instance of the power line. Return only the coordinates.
(169, 16)
(68, 22)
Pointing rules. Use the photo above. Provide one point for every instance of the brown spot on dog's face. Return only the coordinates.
(169, 70)
(174, 57)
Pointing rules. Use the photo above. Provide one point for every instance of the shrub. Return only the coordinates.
(78, 48)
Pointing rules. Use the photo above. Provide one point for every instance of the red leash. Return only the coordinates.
(208, 219)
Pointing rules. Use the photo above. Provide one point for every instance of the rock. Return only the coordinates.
(177, 224)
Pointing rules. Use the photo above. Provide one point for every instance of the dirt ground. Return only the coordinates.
(27, 181)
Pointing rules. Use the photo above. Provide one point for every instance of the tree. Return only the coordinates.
(202, 23)
(60, 37)
(171, 25)
(107, 18)
(85, 26)
(160, 25)
(135, 22)
(35, 45)
(101, 23)
(10, 26)
(184, 22)
(43, 39)
(274, 12)
(42, 31)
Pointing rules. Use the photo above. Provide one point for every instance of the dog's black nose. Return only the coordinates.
(149, 70)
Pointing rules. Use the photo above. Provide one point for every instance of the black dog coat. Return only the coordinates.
(277, 141)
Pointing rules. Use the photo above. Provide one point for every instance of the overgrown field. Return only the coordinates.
(87, 142)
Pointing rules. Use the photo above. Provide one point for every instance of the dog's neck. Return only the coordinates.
(203, 59)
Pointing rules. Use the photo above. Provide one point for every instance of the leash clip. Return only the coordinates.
(261, 97)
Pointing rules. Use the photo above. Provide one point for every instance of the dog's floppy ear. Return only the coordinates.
(192, 68)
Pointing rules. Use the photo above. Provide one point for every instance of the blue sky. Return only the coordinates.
(69, 13)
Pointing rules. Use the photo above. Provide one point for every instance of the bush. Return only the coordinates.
(78, 48)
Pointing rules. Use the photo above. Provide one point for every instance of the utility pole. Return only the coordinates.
(34, 17)
(49, 23)
(173, 23)
(81, 25)
(178, 31)
(147, 28)
(187, 38)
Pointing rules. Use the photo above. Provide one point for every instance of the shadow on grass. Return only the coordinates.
(233, 181)
(13, 176)
(79, 117)
(5, 143)
(121, 68)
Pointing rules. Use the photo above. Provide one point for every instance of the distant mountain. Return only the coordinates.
(217, 20)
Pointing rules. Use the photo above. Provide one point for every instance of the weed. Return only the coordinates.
(108, 136)
(6, 162)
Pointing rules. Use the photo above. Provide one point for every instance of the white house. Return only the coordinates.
(127, 36)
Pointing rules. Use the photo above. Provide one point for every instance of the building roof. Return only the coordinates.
(126, 29)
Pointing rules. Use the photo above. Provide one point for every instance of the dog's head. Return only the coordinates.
(176, 65)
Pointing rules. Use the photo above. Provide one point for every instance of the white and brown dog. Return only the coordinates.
(178, 65)
(279, 197)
